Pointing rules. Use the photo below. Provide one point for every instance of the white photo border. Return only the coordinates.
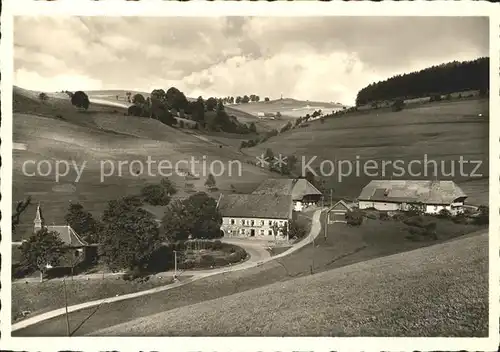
(261, 8)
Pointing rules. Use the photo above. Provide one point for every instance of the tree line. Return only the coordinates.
(128, 235)
(206, 113)
(442, 79)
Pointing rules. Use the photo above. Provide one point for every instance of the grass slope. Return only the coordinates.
(37, 298)
(55, 130)
(444, 132)
(440, 290)
(343, 246)
(290, 110)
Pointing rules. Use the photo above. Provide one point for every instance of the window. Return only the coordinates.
(261, 232)
(270, 232)
(242, 231)
(252, 222)
(270, 223)
(243, 222)
(262, 223)
(232, 221)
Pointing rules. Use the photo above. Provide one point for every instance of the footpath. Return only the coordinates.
(195, 275)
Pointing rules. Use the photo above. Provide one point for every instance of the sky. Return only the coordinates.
(309, 58)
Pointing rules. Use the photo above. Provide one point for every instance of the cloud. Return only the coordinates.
(47, 83)
(320, 58)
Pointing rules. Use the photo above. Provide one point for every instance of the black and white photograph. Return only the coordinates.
(251, 176)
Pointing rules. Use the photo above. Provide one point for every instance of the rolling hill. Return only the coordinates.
(101, 137)
(441, 132)
(440, 290)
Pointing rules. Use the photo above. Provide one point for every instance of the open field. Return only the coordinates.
(99, 134)
(37, 298)
(291, 108)
(343, 246)
(436, 291)
(443, 132)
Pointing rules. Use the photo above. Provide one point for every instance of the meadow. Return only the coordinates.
(434, 291)
(343, 246)
(442, 132)
(54, 130)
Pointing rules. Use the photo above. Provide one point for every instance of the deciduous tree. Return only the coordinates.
(82, 222)
(80, 100)
(130, 235)
(44, 248)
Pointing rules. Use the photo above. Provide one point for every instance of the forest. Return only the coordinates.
(442, 79)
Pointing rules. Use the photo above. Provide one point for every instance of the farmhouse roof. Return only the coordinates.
(340, 206)
(412, 191)
(65, 232)
(67, 235)
(256, 206)
(296, 188)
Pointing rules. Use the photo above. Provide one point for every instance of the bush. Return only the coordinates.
(207, 260)
(384, 216)
(416, 221)
(483, 217)
(217, 245)
(237, 256)
(420, 234)
(354, 218)
(444, 214)
(155, 195)
(398, 105)
(221, 261)
(187, 264)
(371, 216)
(134, 110)
(134, 274)
(21, 270)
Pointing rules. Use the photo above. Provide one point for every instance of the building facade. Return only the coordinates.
(338, 212)
(255, 216)
(430, 197)
(76, 249)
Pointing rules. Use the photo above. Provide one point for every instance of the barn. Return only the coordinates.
(403, 195)
(303, 193)
(338, 212)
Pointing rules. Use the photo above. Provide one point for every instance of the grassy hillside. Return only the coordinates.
(290, 109)
(444, 131)
(440, 290)
(55, 130)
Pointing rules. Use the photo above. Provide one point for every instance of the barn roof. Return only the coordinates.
(65, 232)
(256, 206)
(67, 235)
(412, 191)
(340, 206)
(296, 188)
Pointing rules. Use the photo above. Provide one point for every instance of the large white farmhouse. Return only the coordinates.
(255, 215)
(432, 196)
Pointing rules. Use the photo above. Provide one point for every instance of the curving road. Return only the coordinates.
(258, 256)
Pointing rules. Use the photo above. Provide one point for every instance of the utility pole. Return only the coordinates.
(175, 265)
(66, 307)
(331, 196)
(326, 225)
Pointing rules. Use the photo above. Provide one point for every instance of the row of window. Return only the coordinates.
(245, 231)
(252, 222)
